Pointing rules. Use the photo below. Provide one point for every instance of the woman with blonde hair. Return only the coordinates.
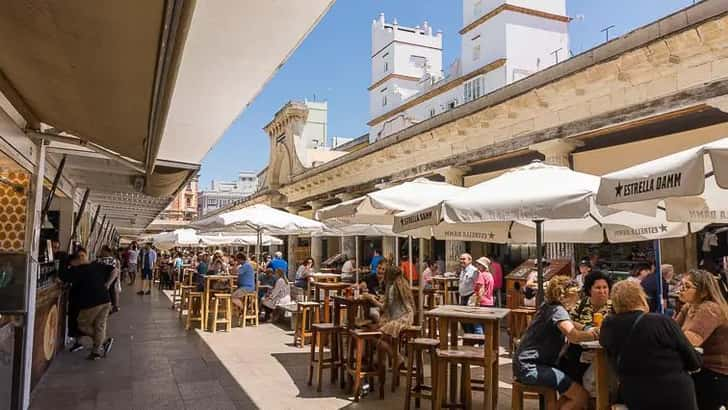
(651, 355)
(537, 355)
(704, 320)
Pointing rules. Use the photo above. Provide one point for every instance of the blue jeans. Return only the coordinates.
(470, 327)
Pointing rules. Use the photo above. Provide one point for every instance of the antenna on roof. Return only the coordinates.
(555, 53)
(606, 31)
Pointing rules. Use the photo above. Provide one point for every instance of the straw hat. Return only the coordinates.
(483, 261)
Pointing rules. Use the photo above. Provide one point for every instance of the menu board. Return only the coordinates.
(12, 282)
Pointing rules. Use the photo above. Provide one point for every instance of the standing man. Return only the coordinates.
(149, 259)
(92, 281)
(466, 287)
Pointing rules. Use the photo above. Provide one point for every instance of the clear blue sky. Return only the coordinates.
(333, 64)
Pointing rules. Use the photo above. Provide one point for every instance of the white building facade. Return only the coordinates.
(224, 193)
(502, 41)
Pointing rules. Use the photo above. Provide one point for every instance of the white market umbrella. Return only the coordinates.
(690, 185)
(379, 207)
(172, 239)
(513, 207)
(257, 219)
(241, 240)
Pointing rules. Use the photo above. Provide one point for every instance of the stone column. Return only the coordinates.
(558, 152)
(453, 249)
(316, 244)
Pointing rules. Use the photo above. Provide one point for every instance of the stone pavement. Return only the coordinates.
(156, 364)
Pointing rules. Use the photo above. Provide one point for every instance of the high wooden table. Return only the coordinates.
(352, 306)
(601, 373)
(209, 280)
(326, 288)
(444, 283)
(326, 277)
(449, 317)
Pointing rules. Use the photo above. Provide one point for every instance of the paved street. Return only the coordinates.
(156, 364)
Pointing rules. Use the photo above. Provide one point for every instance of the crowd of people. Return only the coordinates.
(673, 355)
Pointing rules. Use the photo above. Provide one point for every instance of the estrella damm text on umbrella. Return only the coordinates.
(658, 183)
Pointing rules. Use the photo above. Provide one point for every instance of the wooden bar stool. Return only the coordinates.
(306, 314)
(176, 293)
(405, 335)
(195, 309)
(465, 356)
(416, 370)
(360, 342)
(324, 335)
(249, 310)
(223, 304)
(520, 390)
(184, 297)
(472, 339)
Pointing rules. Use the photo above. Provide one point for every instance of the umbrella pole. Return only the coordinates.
(411, 262)
(421, 299)
(356, 251)
(539, 260)
(658, 274)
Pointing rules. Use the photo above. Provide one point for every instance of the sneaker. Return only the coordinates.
(114, 310)
(107, 345)
(93, 356)
(76, 347)
(148, 292)
(141, 292)
(365, 389)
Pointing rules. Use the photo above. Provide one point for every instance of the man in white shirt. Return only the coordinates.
(347, 270)
(466, 287)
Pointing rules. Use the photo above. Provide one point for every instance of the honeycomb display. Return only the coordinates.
(13, 209)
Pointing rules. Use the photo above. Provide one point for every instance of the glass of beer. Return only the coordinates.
(597, 319)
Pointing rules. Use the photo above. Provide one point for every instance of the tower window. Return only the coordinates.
(384, 100)
(386, 66)
(476, 52)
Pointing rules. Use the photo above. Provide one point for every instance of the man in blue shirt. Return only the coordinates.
(279, 263)
(246, 280)
(371, 280)
(149, 260)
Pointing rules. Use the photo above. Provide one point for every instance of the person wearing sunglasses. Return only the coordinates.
(704, 320)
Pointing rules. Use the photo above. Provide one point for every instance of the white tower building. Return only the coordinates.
(402, 59)
(502, 42)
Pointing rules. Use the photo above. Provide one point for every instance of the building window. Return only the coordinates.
(476, 52)
(188, 202)
(419, 61)
(432, 112)
(474, 88)
(452, 104)
(212, 202)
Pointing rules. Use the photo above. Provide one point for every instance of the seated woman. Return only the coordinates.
(431, 269)
(303, 274)
(704, 320)
(596, 302)
(397, 307)
(279, 295)
(649, 352)
(535, 358)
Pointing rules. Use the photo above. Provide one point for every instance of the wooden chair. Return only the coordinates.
(324, 335)
(361, 342)
(306, 315)
(195, 309)
(222, 304)
(520, 390)
(415, 370)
